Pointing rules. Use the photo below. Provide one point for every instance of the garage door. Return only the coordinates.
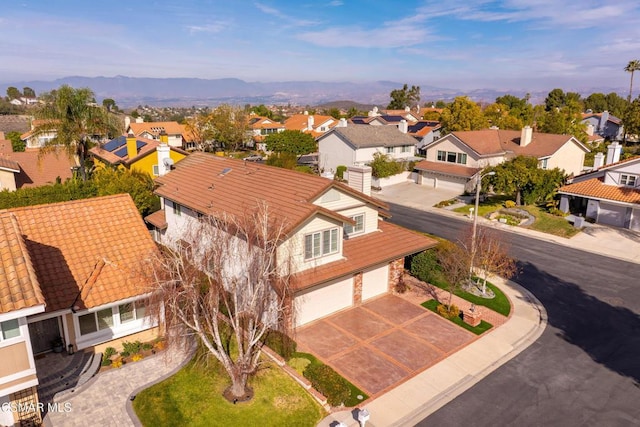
(444, 182)
(321, 302)
(375, 282)
(635, 220)
(611, 214)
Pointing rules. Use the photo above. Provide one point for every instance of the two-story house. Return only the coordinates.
(610, 194)
(315, 125)
(453, 160)
(36, 138)
(176, 134)
(337, 245)
(261, 127)
(603, 124)
(351, 144)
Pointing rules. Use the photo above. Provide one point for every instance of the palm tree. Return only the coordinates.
(75, 117)
(632, 66)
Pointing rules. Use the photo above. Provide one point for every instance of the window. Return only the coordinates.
(628, 180)
(405, 149)
(544, 163)
(104, 319)
(10, 329)
(177, 209)
(87, 323)
(442, 155)
(321, 243)
(390, 150)
(156, 172)
(462, 158)
(358, 227)
(452, 157)
(126, 312)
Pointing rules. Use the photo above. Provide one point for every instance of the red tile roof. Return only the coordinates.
(300, 121)
(155, 128)
(37, 168)
(595, 188)
(390, 243)
(212, 185)
(94, 246)
(19, 287)
(447, 168)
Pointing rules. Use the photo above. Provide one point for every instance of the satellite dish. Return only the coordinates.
(168, 162)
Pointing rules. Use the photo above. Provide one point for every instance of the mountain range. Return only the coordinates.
(184, 92)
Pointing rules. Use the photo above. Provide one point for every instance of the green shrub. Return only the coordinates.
(425, 266)
(147, 346)
(132, 347)
(328, 382)
(509, 204)
(383, 166)
(281, 343)
(299, 364)
(340, 170)
(124, 354)
(106, 361)
(108, 352)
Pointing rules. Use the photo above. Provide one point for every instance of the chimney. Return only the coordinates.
(407, 109)
(127, 122)
(603, 119)
(360, 178)
(164, 138)
(342, 123)
(403, 126)
(598, 160)
(613, 152)
(526, 136)
(590, 129)
(139, 120)
(132, 146)
(164, 158)
(310, 123)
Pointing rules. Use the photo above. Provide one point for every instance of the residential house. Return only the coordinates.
(406, 114)
(69, 275)
(347, 145)
(610, 194)
(176, 134)
(261, 127)
(453, 160)
(603, 124)
(337, 246)
(142, 154)
(316, 125)
(32, 168)
(35, 138)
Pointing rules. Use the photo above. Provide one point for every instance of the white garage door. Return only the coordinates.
(611, 214)
(635, 220)
(323, 301)
(443, 182)
(375, 282)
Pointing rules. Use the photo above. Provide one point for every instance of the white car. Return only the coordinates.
(253, 158)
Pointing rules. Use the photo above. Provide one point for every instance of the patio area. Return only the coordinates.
(383, 342)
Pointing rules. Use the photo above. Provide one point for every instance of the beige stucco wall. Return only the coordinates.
(15, 358)
(451, 144)
(569, 157)
(144, 336)
(7, 180)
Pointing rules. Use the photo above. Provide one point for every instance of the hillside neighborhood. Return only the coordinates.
(287, 248)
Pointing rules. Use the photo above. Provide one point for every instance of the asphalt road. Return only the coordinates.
(585, 368)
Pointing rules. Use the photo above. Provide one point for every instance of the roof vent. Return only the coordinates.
(225, 171)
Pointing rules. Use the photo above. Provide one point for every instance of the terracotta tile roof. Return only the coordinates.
(8, 164)
(299, 122)
(411, 115)
(366, 136)
(114, 152)
(38, 169)
(158, 219)
(211, 185)
(96, 242)
(447, 168)
(35, 123)
(154, 128)
(19, 287)
(265, 123)
(497, 141)
(595, 188)
(390, 243)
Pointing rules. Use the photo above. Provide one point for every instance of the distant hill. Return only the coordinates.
(345, 105)
(185, 92)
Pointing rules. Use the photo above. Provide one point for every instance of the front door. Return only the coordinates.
(42, 333)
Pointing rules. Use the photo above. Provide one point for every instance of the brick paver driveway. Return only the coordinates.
(383, 342)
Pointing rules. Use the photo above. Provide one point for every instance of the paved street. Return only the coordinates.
(584, 369)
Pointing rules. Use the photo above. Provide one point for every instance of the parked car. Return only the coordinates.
(253, 158)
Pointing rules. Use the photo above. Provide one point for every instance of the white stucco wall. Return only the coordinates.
(334, 152)
(569, 157)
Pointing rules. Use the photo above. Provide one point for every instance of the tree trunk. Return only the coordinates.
(518, 197)
(238, 384)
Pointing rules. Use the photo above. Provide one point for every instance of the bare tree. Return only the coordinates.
(492, 256)
(455, 263)
(221, 284)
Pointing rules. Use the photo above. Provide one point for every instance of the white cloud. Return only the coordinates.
(288, 19)
(214, 27)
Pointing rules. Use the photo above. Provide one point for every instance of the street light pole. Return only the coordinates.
(475, 217)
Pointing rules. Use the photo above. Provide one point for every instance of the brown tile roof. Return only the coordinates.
(38, 169)
(14, 123)
(446, 168)
(97, 243)
(9, 164)
(201, 183)
(158, 219)
(154, 128)
(19, 287)
(366, 136)
(390, 243)
(299, 122)
(498, 141)
(265, 123)
(595, 188)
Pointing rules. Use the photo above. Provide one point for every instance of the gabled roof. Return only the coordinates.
(611, 118)
(97, 243)
(594, 188)
(9, 165)
(447, 168)
(19, 287)
(155, 128)
(366, 136)
(115, 151)
(214, 185)
(13, 123)
(264, 123)
(423, 127)
(365, 120)
(36, 168)
(300, 122)
(489, 142)
(391, 242)
(596, 172)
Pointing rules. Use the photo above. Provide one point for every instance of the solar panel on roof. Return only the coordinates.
(122, 153)
(140, 144)
(114, 144)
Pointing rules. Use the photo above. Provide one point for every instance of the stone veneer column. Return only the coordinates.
(357, 288)
(396, 268)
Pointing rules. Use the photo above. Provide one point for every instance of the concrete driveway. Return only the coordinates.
(414, 195)
(383, 342)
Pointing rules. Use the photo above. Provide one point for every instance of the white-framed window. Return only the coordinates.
(390, 150)
(111, 317)
(156, 172)
(177, 209)
(544, 163)
(9, 329)
(628, 180)
(405, 149)
(321, 243)
(358, 227)
(452, 157)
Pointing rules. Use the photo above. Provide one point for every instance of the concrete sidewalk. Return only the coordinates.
(614, 242)
(428, 391)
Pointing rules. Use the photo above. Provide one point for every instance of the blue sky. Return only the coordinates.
(460, 44)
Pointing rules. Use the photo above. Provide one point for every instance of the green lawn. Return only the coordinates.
(480, 329)
(193, 397)
(545, 222)
(499, 303)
